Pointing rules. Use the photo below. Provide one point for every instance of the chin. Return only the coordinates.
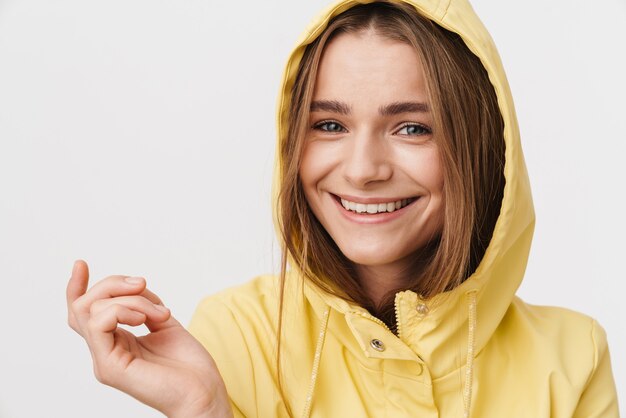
(372, 256)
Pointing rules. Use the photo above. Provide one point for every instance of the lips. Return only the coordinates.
(373, 206)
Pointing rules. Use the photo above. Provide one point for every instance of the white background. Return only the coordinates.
(139, 136)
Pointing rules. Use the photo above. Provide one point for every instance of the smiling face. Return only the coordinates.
(371, 170)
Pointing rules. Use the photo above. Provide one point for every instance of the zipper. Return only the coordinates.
(379, 322)
(395, 306)
(373, 318)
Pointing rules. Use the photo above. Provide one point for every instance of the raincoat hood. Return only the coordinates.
(500, 273)
(477, 350)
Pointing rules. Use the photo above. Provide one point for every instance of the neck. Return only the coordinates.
(378, 281)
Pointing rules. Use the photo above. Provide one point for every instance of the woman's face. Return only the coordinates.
(371, 170)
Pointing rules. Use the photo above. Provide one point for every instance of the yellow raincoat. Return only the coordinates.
(476, 351)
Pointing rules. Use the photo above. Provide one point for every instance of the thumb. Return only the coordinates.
(79, 280)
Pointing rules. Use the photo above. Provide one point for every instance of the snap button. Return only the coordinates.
(421, 308)
(377, 345)
(419, 369)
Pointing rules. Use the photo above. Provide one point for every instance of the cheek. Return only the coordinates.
(424, 167)
(311, 173)
(316, 166)
(435, 174)
(433, 181)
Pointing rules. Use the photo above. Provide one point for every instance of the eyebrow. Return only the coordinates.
(332, 106)
(403, 107)
(335, 106)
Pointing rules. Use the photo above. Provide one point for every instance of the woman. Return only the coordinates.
(405, 214)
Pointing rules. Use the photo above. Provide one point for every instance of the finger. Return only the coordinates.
(153, 312)
(111, 286)
(108, 287)
(79, 279)
(159, 325)
(156, 325)
(102, 326)
(152, 297)
(76, 287)
(158, 317)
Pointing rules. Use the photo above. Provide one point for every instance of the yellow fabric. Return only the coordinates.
(476, 351)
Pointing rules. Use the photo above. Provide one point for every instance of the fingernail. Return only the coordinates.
(74, 267)
(133, 280)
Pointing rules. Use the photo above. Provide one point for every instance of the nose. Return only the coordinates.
(366, 160)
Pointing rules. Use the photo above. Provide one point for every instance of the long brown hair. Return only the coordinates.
(470, 135)
(469, 130)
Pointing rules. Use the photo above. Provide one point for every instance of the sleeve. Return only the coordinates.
(214, 326)
(599, 398)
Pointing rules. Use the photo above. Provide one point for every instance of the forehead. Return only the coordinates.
(368, 65)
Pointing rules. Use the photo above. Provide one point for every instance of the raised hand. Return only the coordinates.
(167, 369)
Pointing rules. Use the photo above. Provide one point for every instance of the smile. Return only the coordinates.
(375, 207)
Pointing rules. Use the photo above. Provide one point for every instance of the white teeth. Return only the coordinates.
(372, 208)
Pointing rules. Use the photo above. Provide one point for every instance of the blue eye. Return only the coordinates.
(329, 126)
(414, 129)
